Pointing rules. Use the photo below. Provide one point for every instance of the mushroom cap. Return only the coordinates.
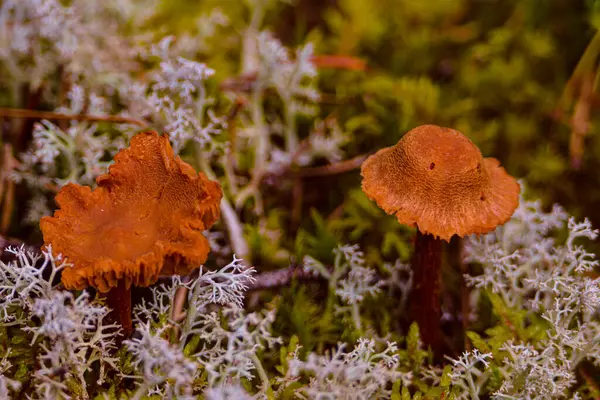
(436, 179)
(144, 219)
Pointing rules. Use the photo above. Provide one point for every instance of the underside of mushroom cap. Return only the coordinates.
(144, 219)
(436, 179)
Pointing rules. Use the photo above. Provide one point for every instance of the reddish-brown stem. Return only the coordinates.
(118, 299)
(425, 296)
(465, 308)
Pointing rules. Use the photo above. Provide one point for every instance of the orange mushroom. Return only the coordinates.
(144, 219)
(436, 179)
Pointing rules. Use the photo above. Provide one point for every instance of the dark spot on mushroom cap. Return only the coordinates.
(432, 166)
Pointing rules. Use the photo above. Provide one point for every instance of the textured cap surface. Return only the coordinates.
(145, 218)
(436, 179)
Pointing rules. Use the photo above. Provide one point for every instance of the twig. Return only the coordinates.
(332, 169)
(7, 197)
(7, 207)
(177, 312)
(282, 277)
(339, 61)
(35, 114)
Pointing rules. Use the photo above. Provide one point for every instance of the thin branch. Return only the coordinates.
(339, 61)
(282, 277)
(332, 169)
(7, 196)
(35, 114)
(181, 294)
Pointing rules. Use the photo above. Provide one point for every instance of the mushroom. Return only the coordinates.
(436, 179)
(144, 219)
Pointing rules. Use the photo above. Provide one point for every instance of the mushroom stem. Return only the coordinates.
(425, 296)
(118, 299)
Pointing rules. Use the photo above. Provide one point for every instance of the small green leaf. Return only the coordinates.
(18, 339)
(396, 390)
(190, 348)
(446, 380)
(478, 342)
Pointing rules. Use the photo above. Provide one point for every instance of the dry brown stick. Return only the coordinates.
(181, 294)
(35, 114)
(7, 200)
(332, 169)
(282, 277)
(177, 313)
(7, 207)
